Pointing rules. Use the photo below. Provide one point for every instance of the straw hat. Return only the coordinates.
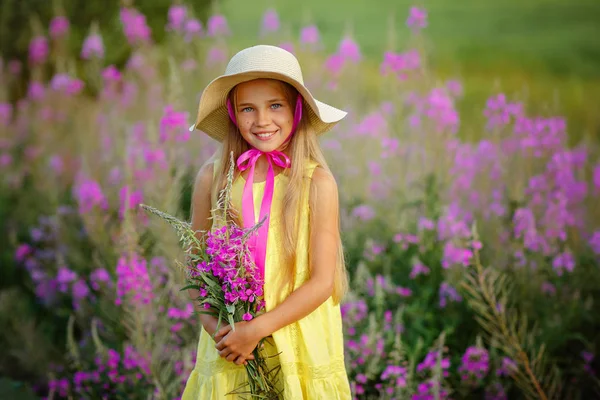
(253, 63)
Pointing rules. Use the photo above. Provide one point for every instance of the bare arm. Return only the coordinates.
(201, 205)
(324, 235)
(317, 289)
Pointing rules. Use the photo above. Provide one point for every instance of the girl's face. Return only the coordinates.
(264, 113)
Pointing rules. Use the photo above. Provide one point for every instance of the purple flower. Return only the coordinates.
(56, 164)
(88, 194)
(418, 269)
(364, 212)
(595, 242)
(61, 386)
(334, 64)
(98, 277)
(193, 29)
(400, 63)
(217, 26)
(548, 288)
(38, 50)
(65, 84)
(426, 224)
(394, 371)
(93, 47)
(129, 200)
(270, 22)
(173, 125)
(15, 67)
(36, 91)
(446, 293)
(587, 356)
(111, 74)
(5, 159)
(507, 368)
(80, 291)
(22, 252)
(354, 312)
(215, 56)
(349, 50)
(176, 17)
(134, 25)
(247, 317)
(6, 110)
(64, 277)
(431, 360)
(133, 281)
(59, 26)
(454, 255)
(453, 225)
(475, 364)
(417, 18)
(404, 292)
(309, 35)
(563, 261)
(500, 112)
(288, 46)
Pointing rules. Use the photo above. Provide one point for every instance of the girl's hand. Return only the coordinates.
(237, 345)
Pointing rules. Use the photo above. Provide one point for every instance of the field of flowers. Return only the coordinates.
(474, 265)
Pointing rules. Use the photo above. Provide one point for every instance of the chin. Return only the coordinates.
(266, 148)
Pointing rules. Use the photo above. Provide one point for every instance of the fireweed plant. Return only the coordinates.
(220, 266)
(418, 161)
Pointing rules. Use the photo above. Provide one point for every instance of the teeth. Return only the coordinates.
(264, 135)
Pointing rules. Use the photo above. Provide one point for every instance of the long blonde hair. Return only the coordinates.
(302, 147)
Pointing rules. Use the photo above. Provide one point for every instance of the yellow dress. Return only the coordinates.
(311, 349)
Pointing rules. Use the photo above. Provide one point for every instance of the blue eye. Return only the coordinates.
(276, 105)
(247, 109)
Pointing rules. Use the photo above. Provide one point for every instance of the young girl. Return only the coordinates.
(261, 111)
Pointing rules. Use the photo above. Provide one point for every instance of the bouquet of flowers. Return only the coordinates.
(220, 266)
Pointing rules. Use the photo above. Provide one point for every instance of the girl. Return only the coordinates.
(261, 110)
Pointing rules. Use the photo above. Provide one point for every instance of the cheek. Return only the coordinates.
(244, 125)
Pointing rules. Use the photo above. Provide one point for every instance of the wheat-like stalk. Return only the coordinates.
(488, 293)
(186, 235)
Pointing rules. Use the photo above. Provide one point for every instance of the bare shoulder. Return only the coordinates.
(323, 188)
(204, 178)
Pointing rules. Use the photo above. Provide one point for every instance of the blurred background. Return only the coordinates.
(468, 168)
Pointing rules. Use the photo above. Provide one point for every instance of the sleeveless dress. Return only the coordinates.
(311, 350)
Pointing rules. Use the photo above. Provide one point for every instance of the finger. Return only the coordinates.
(250, 357)
(240, 360)
(223, 331)
(231, 357)
(221, 344)
(224, 353)
(218, 338)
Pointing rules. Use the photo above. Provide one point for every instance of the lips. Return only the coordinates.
(265, 135)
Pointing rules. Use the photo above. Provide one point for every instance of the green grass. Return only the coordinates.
(544, 48)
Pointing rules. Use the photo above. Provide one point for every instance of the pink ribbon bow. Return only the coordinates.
(248, 159)
(258, 244)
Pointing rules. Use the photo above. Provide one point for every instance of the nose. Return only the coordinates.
(262, 118)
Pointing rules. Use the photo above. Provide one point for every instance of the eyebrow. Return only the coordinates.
(276, 100)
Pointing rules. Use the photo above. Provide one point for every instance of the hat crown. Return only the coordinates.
(265, 58)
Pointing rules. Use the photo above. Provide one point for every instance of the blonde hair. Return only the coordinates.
(302, 147)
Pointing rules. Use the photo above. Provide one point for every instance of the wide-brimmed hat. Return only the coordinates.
(257, 62)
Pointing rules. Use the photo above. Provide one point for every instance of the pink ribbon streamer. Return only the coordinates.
(258, 243)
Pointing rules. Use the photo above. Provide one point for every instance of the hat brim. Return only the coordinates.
(213, 118)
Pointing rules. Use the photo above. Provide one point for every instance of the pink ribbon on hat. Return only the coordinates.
(248, 159)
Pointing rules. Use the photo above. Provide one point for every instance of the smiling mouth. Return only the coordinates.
(265, 135)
